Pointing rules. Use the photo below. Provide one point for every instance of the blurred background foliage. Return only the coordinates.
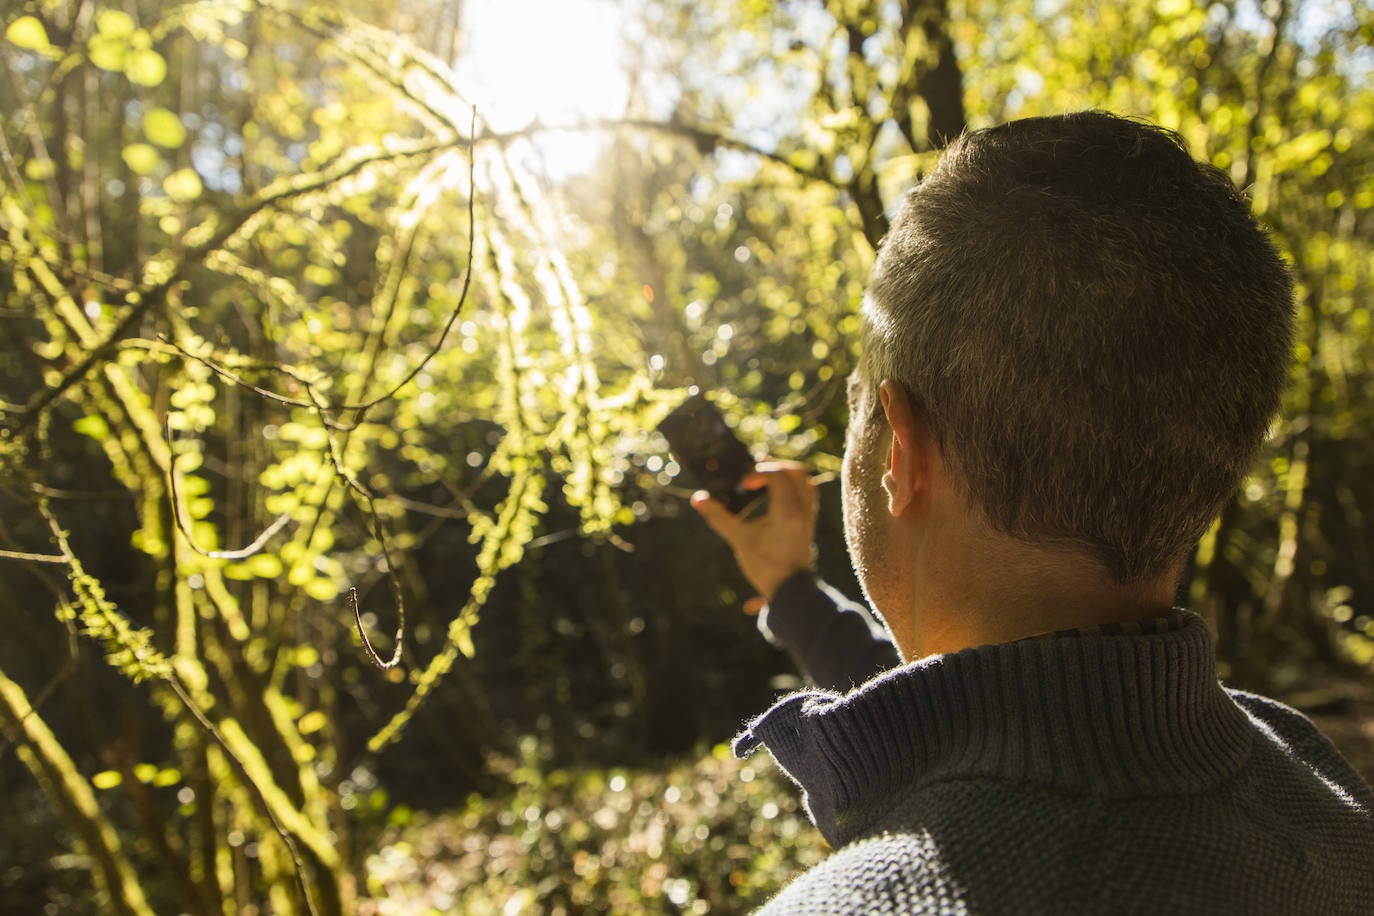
(302, 298)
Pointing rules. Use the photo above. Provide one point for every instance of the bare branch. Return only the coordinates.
(230, 376)
(380, 530)
(242, 553)
(429, 508)
(367, 643)
(701, 138)
(31, 557)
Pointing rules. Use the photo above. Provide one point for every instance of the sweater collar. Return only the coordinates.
(1109, 715)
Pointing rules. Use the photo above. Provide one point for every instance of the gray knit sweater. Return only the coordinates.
(1097, 774)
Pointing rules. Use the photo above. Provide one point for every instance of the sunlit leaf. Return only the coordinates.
(39, 169)
(106, 779)
(108, 53)
(141, 158)
(145, 67)
(321, 589)
(265, 566)
(92, 425)
(27, 32)
(239, 572)
(462, 638)
(114, 23)
(182, 185)
(163, 127)
(312, 722)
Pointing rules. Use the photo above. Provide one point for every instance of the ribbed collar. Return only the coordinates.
(1123, 716)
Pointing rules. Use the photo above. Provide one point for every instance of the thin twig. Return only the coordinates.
(700, 137)
(242, 553)
(31, 557)
(364, 407)
(362, 632)
(352, 483)
(230, 376)
(430, 509)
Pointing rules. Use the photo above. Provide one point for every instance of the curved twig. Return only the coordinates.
(367, 643)
(364, 407)
(242, 553)
(229, 375)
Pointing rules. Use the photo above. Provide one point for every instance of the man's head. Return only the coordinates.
(1092, 328)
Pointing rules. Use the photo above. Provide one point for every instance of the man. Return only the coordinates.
(1074, 340)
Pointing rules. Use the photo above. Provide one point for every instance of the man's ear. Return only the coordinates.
(906, 478)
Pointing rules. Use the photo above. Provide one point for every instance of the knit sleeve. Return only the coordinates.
(837, 643)
(1301, 738)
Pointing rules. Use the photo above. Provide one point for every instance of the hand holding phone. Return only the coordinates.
(770, 523)
(709, 450)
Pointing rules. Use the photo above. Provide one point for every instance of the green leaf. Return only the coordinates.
(312, 722)
(93, 426)
(106, 779)
(239, 572)
(322, 589)
(39, 169)
(182, 185)
(28, 33)
(462, 638)
(168, 777)
(401, 816)
(164, 128)
(141, 158)
(114, 23)
(265, 565)
(108, 53)
(145, 67)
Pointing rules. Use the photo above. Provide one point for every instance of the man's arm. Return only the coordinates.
(837, 643)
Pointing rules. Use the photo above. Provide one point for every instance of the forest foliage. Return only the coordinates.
(327, 403)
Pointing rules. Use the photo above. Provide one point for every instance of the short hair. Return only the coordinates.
(1095, 327)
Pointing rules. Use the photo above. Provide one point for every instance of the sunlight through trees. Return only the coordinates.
(337, 333)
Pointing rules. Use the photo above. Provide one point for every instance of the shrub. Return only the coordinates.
(715, 835)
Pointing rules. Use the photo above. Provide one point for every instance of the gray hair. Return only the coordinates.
(1095, 327)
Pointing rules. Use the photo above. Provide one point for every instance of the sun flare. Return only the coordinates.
(555, 61)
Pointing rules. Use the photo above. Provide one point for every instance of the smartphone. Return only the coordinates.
(710, 451)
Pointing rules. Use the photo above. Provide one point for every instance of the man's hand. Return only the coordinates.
(777, 544)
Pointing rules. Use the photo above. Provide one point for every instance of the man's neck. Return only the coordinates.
(1001, 590)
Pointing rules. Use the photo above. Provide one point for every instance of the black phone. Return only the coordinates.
(710, 451)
